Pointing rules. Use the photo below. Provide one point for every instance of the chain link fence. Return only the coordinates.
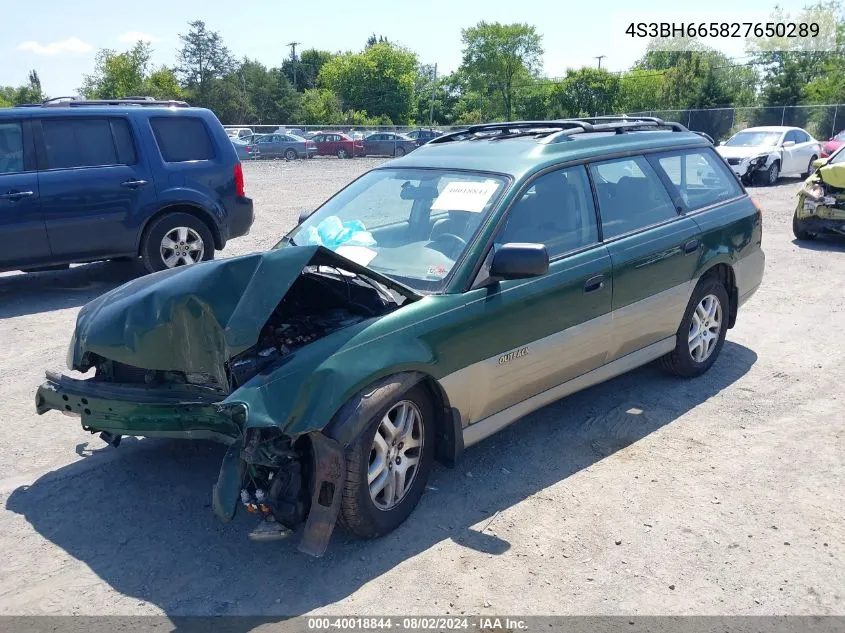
(821, 121)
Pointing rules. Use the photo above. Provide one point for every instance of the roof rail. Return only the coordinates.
(560, 127)
(66, 102)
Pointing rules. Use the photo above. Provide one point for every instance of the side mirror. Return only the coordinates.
(519, 261)
(304, 215)
(788, 143)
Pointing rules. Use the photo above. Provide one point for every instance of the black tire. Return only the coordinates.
(359, 514)
(153, 236)
(400, 151)
(799, 231)
(809, 166)
(680, 361)
(770, 176)
(291, 154)
(342, 153)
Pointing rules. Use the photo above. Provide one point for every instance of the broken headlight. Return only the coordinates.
(814, 190)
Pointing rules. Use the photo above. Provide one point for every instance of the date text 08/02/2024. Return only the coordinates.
(724, 29)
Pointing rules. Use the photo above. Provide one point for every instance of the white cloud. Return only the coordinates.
(131, 37)
(70, 45)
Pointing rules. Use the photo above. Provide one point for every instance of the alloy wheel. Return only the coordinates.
(395, 454)
(181, 246)
(705, 328)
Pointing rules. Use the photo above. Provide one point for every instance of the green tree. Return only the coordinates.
(379, 80)
(373, 40)
(498, 56)
(202, 60)
(639, 91)
(272, 96)
(584, 92)
(307, 67)
(118, 75)
(162, 84)
(319, 106)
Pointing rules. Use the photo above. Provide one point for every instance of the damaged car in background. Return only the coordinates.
(428, 304)
(821, 199)
(764, 154)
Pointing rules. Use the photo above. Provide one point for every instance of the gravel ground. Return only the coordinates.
(644, 495)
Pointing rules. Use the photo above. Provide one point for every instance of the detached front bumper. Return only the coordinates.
(138, 410)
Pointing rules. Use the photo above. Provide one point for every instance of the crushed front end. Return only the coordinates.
(821, 202)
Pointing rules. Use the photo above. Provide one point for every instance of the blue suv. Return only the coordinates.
(82, 181)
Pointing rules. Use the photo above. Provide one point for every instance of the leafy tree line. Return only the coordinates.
(500, 77)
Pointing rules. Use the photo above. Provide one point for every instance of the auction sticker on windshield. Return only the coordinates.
(465, 196)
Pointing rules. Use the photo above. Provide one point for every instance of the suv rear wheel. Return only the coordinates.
(176, 239)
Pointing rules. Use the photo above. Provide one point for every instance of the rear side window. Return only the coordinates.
(78, 142)
(631, 196)
(11, 148)
(699, 176)
(123, 142)
(182, 139)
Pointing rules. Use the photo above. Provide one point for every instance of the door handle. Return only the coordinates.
(691, 247)
(14, 196)
(594, 283)
(133, 184)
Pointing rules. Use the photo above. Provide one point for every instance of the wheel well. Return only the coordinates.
(190, 210)
(725, 274)
(447, 424)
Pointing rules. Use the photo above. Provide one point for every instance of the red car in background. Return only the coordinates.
(337, 144)
(833, 144)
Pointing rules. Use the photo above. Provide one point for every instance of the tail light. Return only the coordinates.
(309, 144)
(239, 180)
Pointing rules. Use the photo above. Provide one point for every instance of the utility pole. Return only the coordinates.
(433, 91)
(293, 46)
(600, 57)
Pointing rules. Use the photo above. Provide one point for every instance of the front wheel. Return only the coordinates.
(799, 231)
(809, 166)
(342, 153)
(771, 175)
(701, 335)
(388, 465)
(290, 154)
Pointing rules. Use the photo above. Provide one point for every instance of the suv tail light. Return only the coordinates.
(239, 180)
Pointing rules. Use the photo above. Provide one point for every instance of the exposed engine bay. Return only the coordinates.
(323, 300)
(821, 201)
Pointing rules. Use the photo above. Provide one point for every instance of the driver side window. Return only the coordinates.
(557, 210)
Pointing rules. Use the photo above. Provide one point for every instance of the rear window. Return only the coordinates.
(78, 142)
(182, 139)
(699, 176)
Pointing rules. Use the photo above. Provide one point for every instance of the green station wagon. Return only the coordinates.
(430, 303)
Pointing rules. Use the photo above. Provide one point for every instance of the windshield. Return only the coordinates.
(838, 157)
(753, 139)
(409, 224)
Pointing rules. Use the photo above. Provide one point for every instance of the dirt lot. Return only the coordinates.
(645, 495)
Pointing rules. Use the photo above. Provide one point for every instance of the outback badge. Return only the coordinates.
(517, 353)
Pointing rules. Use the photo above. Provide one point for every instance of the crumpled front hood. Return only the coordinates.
(196, 318)
(833, 175)
(744, 152)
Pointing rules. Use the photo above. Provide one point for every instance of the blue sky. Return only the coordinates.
(61, 38)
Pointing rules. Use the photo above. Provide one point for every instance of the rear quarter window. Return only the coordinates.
(700, 178)
(182, 139)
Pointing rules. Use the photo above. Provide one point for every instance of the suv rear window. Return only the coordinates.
(182, 139)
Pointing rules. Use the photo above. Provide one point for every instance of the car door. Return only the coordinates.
(320, 141)
(792, 153)
(809, 150)
(529, 335)
(653, 250)
(93, 183)
(23, 234)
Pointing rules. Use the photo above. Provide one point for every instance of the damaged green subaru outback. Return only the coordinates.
(430, 303)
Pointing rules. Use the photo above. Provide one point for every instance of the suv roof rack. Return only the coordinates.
(76, 101)
(561, 127)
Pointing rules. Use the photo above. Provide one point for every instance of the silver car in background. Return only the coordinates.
(287, 146)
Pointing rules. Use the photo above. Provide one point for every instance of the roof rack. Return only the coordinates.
(560, 127)
(75, 101)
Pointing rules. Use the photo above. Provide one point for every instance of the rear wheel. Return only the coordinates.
(342, 153)
(291, 154)
(388, 465)
(701, 335)
(176, 239)
(400, 151)
(799, 231)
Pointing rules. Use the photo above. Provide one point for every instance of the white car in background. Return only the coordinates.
(766, 153)
(238, 132)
